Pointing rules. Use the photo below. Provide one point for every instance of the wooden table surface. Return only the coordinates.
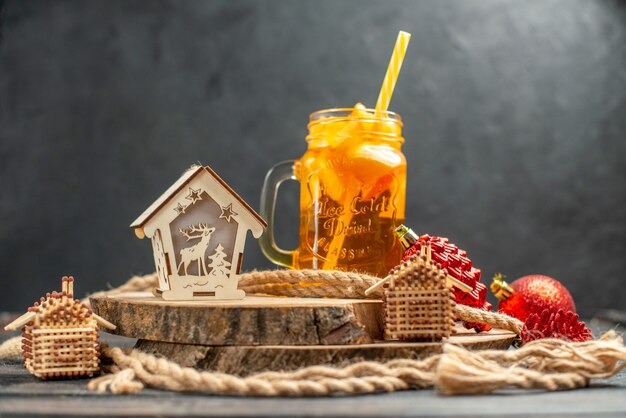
(24, 395)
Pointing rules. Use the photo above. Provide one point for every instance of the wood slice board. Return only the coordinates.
(251, 321)
(244, 360)
(269, 333)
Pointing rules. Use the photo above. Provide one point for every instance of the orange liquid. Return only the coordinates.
(353, 187)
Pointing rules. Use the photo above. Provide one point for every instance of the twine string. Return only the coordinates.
(547, 364)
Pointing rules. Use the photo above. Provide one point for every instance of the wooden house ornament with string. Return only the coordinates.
(198, 229)
(60, 335)
(418, 305)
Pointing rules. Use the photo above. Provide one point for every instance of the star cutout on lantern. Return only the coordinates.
(228, 213)
(194, 195)
(180, 208)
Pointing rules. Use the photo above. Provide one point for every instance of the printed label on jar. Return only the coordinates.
(356, 231)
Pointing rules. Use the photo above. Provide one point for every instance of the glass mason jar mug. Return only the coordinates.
(352, 193)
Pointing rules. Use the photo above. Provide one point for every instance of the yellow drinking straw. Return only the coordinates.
(393, 70)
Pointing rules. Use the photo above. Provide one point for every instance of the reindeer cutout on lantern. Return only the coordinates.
(195, 252)
(198, 229)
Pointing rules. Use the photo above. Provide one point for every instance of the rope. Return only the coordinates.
(308, 283)
(134, 284)
(496, 320)
(363, 377)
(11, 349)
(547, 364)
(463, 372)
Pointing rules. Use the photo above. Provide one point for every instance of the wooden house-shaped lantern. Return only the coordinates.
(60, 335)
(418, 305)
(198, 230)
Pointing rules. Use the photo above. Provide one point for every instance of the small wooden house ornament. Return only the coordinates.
(198, 230)
(418, 305)
(60, 335)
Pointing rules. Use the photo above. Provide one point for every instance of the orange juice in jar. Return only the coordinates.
(352, 194)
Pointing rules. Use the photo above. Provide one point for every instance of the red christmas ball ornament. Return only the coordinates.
(531, 295)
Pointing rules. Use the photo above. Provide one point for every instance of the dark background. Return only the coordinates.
(515, 125)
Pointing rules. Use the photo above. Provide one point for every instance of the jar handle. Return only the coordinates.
(275, 177)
